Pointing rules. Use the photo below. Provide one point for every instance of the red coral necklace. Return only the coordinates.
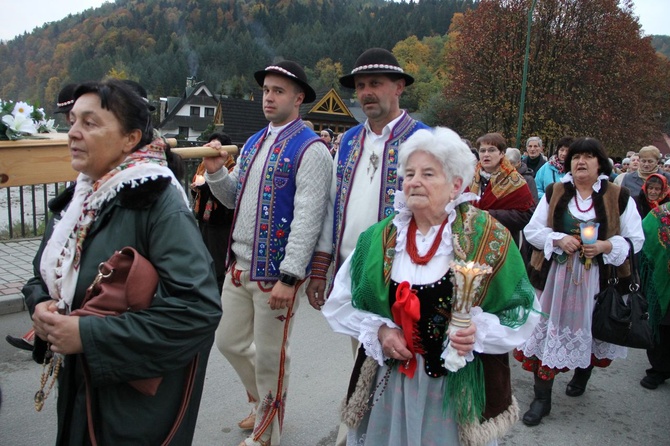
(583, 210)
(413, 251)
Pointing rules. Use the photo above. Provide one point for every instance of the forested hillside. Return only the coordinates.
(161, 42)
(661, 44)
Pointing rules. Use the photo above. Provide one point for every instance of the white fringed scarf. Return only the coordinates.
(62, 255)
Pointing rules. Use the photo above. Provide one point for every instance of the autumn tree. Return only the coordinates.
(326, 74)
(423, 60)
(590, 72)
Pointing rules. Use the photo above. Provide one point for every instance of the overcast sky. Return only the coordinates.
(25, 15)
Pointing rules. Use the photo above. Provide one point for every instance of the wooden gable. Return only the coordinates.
(328, 111)
(331, 104)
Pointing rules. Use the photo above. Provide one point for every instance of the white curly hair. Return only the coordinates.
(447, 147)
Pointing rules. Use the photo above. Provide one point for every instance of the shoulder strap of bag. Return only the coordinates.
(634, 273)
(186, 399)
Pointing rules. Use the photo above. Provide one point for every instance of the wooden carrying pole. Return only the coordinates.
(43, 161)
(202, 152)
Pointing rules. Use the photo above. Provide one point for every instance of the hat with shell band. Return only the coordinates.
(291, 70)
(65, 100)
(376, 61)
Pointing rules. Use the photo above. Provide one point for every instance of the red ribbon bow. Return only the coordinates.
(406, 312)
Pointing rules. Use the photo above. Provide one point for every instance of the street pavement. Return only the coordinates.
(615, 410)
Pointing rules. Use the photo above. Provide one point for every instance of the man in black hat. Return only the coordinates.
(279, 189)
(366, 164)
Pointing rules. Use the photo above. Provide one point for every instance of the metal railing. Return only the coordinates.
(24, 209)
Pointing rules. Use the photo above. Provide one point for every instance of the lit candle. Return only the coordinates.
(589, 235)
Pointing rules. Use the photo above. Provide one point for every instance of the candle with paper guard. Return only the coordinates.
(467, 278)
(589, 234)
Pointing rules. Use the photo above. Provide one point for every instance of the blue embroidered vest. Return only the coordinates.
(347, 163)
(277, 192)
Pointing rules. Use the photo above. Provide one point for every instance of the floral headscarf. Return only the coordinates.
(665, 192)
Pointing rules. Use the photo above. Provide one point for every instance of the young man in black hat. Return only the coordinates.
(279, 189)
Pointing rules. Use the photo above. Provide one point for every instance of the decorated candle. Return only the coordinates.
(467, 278)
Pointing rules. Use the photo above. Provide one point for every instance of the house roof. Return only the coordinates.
(241, 118)
(199, 94)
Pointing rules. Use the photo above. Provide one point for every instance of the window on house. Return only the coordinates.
(209, 111)
(183, 132)
(195, 111)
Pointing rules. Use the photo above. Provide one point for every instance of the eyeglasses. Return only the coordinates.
(488, 150)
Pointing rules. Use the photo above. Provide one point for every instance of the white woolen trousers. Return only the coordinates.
(255, 340)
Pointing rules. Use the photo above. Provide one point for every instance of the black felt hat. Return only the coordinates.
(376, 61)
(139, 89)
(65, 100)
(291, 70)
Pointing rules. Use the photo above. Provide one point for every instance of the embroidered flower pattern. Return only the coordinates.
(279, 239)
(664, 228)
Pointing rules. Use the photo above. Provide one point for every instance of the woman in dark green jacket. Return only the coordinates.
(124, 196)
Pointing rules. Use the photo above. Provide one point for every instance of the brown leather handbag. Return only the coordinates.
(125, 282)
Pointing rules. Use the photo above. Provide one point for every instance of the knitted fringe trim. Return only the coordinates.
(479, 434)
(352, 411)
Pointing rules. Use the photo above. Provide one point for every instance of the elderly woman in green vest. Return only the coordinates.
(394, 293)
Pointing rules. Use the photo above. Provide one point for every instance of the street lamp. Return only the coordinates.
(525, 77)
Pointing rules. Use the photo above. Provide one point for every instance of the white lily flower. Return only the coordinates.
(48, 126)
(20, 124)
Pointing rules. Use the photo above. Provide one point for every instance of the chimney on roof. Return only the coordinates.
(190, 81)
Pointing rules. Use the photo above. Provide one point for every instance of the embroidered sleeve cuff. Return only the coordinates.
(320, 265)
(369, 336)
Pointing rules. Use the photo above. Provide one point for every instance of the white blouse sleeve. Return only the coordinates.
(631, 227)
(493, 338)
(539, 234)
(345, 319)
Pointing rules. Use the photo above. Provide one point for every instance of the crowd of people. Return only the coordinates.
(384, 225)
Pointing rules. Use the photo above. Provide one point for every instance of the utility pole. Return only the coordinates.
(522, 101)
